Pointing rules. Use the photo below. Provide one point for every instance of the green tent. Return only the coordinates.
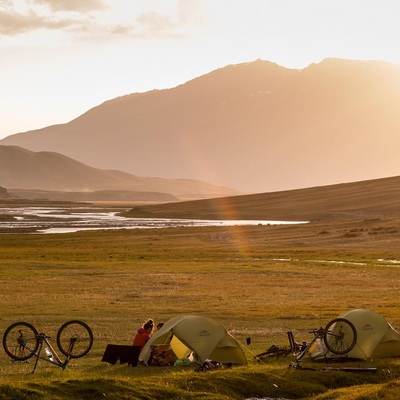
(376, 338)
(199, 336)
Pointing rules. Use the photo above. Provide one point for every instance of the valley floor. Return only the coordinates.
(258, 281)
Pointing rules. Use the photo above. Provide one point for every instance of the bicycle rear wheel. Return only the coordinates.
(20, 341)
(75, 339)
(340, 336)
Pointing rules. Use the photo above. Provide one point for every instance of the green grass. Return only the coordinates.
(259, 282)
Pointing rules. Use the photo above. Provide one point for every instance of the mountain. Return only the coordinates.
(257, 127)
(35, 173)
(357, 200)
(4, 194)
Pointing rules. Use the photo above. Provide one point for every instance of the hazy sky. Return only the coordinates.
(59, 58)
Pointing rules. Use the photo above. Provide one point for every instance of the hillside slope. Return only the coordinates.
(255, 127)
(49, 171)
(366, 199)
(4, 194)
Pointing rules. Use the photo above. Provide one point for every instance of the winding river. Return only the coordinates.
(64, 220)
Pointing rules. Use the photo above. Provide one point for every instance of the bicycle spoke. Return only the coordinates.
(340, 336)
(20, 341)
(75, 339)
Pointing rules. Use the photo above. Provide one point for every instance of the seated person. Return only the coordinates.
(143, 334)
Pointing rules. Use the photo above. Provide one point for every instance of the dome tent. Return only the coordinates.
(376, 338)
(201, 335)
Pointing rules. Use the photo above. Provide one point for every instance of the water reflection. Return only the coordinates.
(65, 220)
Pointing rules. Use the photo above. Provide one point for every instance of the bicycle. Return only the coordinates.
(338, 337)
(21, 341)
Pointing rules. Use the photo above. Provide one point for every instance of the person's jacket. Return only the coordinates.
(141, 337)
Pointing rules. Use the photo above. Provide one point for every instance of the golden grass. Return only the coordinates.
(258, 281)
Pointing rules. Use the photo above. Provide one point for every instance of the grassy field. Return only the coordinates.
(259, 282)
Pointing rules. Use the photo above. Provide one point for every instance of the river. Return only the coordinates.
(73, 219)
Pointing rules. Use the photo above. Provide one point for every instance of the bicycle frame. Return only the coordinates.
(52, 357)
(308, 347)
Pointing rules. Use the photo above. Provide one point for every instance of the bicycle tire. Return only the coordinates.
(340, 336)
(77, 332)
(20, 341)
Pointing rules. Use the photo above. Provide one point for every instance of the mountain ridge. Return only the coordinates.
(254, 126)
(49, 171)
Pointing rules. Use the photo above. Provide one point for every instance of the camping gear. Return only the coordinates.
(162, 355)
(125, 354)
(376, 338)
(196, 336)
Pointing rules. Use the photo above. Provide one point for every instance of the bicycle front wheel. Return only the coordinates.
(75, 339)
(340, 336)
(20, 341)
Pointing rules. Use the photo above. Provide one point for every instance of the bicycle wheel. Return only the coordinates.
(74, 339)
(20, 341)
(340, 336)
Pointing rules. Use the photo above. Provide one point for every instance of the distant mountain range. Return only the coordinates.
(53, 176)
(256, 127)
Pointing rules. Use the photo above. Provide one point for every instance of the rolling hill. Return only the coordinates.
(4, 194)
(358, 200)
(256, 127)
(57, 177)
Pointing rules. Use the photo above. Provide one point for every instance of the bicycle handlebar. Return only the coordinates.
(318, 332)
(43, 336)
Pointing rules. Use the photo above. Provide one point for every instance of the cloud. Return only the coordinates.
(157, 25)
(12, 22)
(147, 26)
(99, 18)
(156, 22)
(189, 12)
(6, 4)
(72, 5)
(122, 28)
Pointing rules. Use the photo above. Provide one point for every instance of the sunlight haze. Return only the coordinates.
(60, 58)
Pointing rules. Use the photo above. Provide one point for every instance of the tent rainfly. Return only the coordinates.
(376, 338)
(203, 336)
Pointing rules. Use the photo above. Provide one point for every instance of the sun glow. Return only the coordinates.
(96, 50)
